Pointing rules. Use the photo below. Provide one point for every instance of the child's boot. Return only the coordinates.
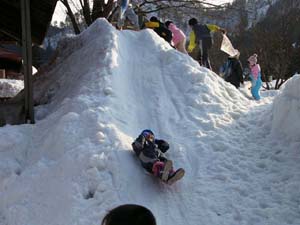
(175, 176)
(168, 166)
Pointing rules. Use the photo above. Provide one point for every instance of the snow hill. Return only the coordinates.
(9, 88)
(241, 157)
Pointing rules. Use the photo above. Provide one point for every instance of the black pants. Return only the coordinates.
(205, 46)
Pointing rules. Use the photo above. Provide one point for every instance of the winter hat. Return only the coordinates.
(147, 131)
(154, 19)
(252, 59)
(193, 21)
(148, 134)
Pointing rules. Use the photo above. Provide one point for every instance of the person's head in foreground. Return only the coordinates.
(129, 214)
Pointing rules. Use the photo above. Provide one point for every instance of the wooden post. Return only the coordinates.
(27, 60)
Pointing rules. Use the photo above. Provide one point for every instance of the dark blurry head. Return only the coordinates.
(148, 134)
(193, 21)
(129, 215)
(154, 19)
(168, 23)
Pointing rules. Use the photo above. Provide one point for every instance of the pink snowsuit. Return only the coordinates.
(179, 38)
(256, 81)
(255, 70)
(178, 35)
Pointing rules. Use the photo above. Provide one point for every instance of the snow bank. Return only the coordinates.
(286, 111)
(9, 88)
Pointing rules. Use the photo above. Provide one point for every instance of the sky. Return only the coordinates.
(241, 156)
(59, 12)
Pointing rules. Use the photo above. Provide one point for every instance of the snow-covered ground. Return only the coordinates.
(241, 156)
(9, 88)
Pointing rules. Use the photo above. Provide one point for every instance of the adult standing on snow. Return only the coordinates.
(201, 35)
(236, 71)
(255, 76)
(179, 38)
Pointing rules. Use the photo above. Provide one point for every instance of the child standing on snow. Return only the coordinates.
(151, 151)
(201, 36)
(179, 38)
(255, 76)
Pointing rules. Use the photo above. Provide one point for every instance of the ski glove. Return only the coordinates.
(138, 144)
(223, 31)
(162, 145)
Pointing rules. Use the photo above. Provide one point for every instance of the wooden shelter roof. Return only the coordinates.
(41, 12)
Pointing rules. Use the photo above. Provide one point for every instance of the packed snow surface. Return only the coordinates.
(9, 88)
(241, 156)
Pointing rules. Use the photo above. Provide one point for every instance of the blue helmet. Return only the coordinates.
(146, 133)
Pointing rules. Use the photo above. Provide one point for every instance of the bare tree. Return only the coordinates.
(89, 10)
(102, 9)
(93, 9)
(272, 39)
(71, 16)
(86, 10)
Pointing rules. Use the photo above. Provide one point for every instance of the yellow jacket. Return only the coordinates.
(151, 24)
(192, 43)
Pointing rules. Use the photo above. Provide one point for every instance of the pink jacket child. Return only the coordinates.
(255, 76)
(254, 67)
(179, 38)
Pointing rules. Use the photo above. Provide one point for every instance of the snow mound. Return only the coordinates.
(105, 58)
(286, 111)
(9, 88)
